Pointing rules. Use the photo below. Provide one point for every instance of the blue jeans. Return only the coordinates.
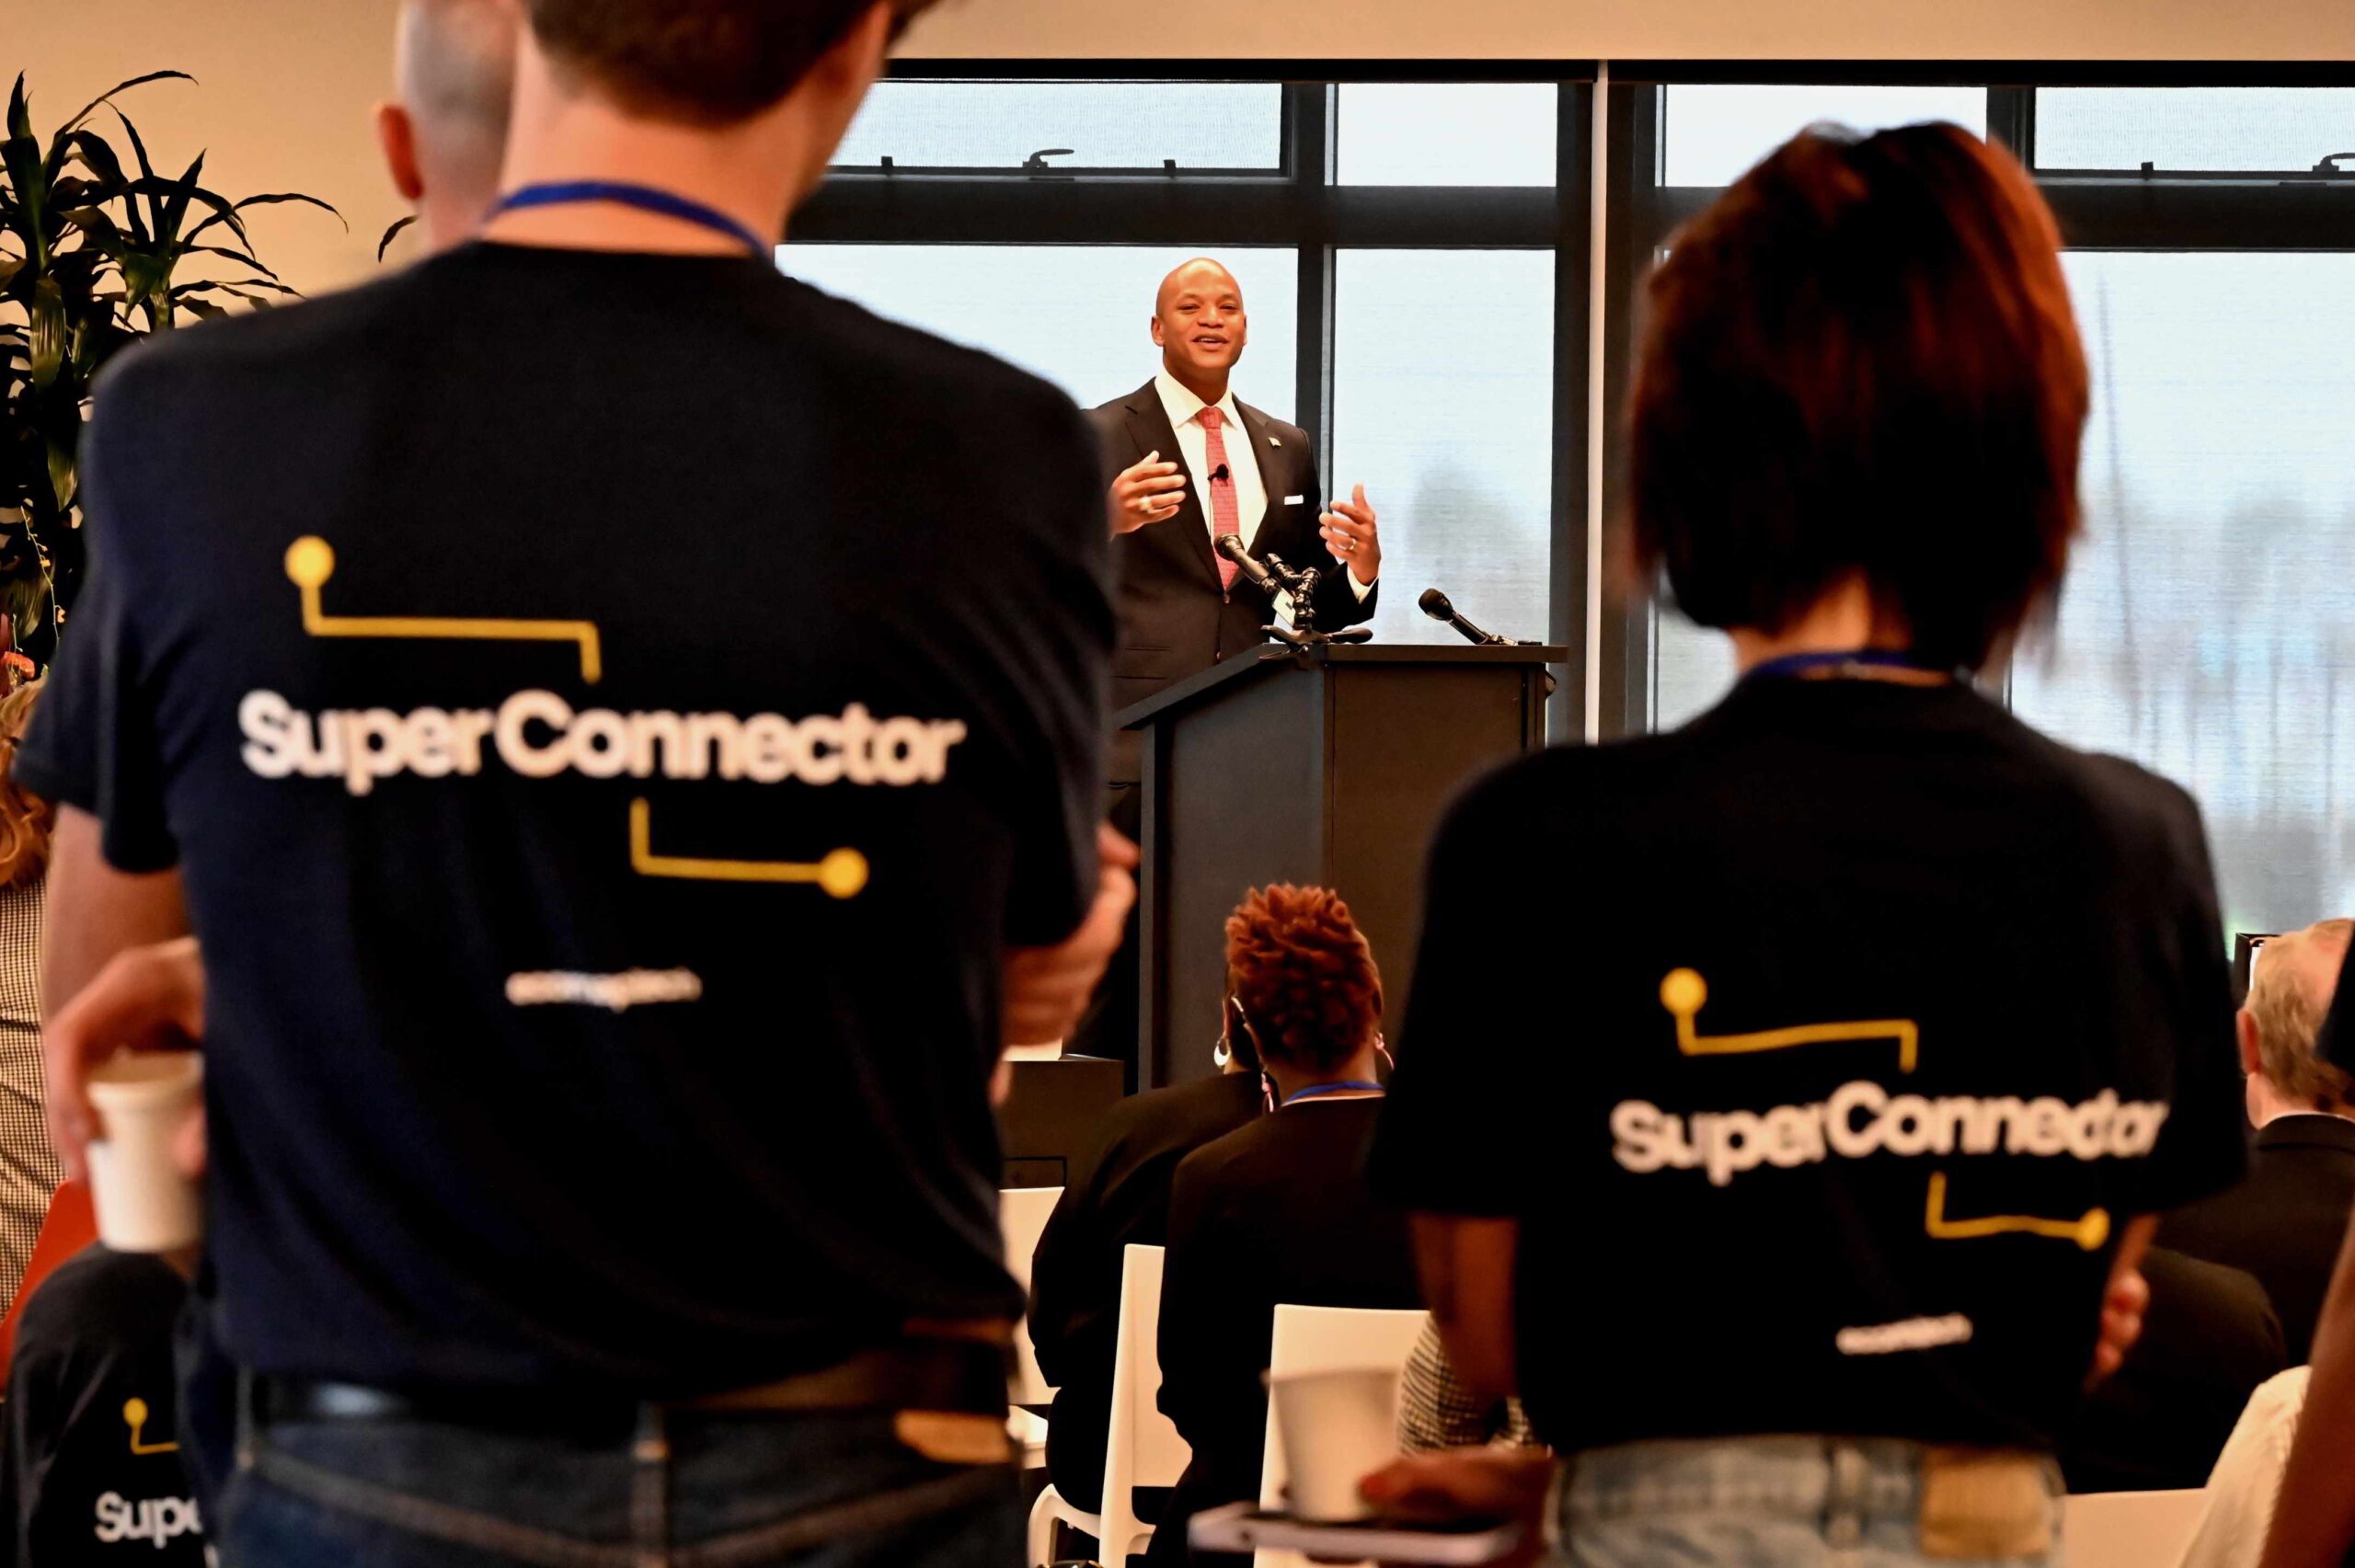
(1774, 1502)
(689, 1490)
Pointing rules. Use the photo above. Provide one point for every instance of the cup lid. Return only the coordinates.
(137, 1080)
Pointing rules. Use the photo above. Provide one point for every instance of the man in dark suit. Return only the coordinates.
(2209, 1338)
(1194, 463)
(1119, 1197)
(2283, 1222)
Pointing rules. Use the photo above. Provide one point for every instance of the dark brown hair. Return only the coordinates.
(25, 818)
(1304, 975)
(704, 61)
(1861, 360)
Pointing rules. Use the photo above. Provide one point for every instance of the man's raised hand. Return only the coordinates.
(1146, 492)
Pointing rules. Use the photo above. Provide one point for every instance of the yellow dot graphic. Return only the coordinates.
(843, 873)
(1684, 992)
(134, 1412)
(2092, 1229)
(310, 561)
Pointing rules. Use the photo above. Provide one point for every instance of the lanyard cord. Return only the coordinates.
(645, 197)
(1348, 1085)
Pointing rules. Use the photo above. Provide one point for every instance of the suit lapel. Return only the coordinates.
(1149, 425)
(1255, 430)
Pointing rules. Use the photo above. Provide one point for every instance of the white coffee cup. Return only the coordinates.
(1338, 1429)
(142, 1200)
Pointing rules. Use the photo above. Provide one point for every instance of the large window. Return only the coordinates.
(1401, 248)
(1416, 255)
(2207, 628)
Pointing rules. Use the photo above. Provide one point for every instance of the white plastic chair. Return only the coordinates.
(1143, 1449)
(2130, 1529)
(1326, 1339)
(1021, 1216)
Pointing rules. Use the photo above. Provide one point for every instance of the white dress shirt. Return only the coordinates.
(1185, 411)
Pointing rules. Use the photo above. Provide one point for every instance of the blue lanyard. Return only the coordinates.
(645, 197)
(1796, 664)
(1346, 1086)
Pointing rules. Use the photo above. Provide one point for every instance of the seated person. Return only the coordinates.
(92, 1470)
(2283, 1222)
(1119, 1197)
(2210, 1337)
(1278, 1211)
(1437, 1412)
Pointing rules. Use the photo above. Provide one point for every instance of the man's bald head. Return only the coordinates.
(2290, 992)
(1199, 326)
(1200, 273)
(445, 136)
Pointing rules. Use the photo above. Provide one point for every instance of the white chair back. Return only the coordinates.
(1143, 1447)
(1021, 1217)
(2130, 1529)
(1325, 1339)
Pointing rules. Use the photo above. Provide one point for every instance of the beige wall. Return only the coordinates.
(285, 85)
(282, 100)
(1638, 30)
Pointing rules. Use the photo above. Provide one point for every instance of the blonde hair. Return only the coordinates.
(2289, 1011)
(25, 818)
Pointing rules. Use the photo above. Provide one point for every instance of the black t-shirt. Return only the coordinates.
(611, 713)
(92, 1471)
(1821, 1048)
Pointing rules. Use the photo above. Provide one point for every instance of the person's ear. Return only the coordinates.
(397, 135)
(1157, 329)
(2245, 1026)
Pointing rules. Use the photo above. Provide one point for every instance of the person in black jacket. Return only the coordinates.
(91, 1470)
(1119, 1197)
(2283, 1221)
(2209, 1339)
(1280, 1210)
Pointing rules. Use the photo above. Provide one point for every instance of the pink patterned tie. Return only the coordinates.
(1226, 516)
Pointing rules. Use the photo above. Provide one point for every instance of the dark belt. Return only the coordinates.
(958, 1377)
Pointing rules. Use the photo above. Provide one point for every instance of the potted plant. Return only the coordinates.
(92, 247)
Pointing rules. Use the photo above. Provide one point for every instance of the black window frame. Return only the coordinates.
(1300, 207)
(2098, 210)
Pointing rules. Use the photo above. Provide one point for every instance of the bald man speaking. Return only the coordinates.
(1195, 463)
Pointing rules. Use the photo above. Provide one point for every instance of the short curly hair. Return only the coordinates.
(25, 818)
(1304, 975)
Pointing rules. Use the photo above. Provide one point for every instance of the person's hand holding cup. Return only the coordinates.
(125, 1096)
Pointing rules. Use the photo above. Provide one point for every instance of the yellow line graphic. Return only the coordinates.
(1684, 993)
(134, 1415)
(310, 562)
(842, 874)
(2088, 1233)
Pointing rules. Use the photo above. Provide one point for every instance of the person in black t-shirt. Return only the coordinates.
(1781, 1097)
(93, 1473)
(1119, 1197)
(627, 779)
(1277, 1210)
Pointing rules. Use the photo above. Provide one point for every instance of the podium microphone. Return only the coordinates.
(1231, 546)
(1436, 605)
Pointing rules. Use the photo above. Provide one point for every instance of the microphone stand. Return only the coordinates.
(1303, 632)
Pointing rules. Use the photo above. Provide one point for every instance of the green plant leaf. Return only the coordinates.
(237, 256)
(93, 106)
(391, 234)
(273, 199)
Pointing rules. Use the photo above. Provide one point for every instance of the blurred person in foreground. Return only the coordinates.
(2314, 1512)
(1277, 1210)
(2283, 1223)
(29, 1170)
(600, 1015)
(1891, 1021)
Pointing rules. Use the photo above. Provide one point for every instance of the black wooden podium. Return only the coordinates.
(1327, 766)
